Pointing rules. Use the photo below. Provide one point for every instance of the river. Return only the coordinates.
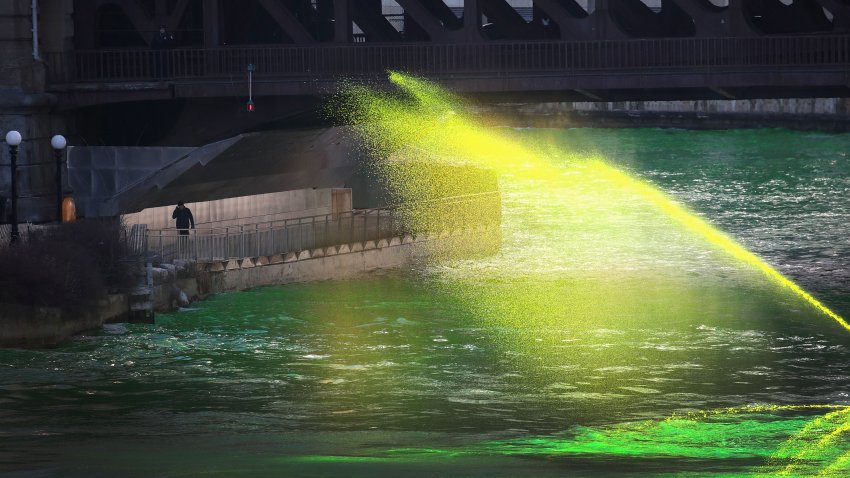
(603, 340)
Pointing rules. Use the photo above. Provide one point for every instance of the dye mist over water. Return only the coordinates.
(604, 339)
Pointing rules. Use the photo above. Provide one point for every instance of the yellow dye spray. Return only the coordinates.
(711, 234)
(406, 134)
(428, 127)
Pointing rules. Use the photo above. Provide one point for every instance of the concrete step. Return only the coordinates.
(146, 305)
(140, 291)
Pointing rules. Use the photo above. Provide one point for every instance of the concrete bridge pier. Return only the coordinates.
(26, 107)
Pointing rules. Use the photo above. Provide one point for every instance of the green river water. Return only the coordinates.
(601, 341)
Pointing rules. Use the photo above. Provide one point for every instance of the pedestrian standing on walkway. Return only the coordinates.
(184, 218)
(162, 40)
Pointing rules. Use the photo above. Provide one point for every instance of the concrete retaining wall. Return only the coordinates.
(824, 114)
(22, 326)
(336, 266)
(241, 210)
(26, 327)
(786, 106)
(335, 262)
(794, 106)
(347, 261)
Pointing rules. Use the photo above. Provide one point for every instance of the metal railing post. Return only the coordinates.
(285, 237)
(226, 242)
(273, 233)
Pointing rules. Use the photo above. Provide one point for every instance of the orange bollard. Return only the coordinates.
(69, 210)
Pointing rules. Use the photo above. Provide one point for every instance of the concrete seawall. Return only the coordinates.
(27, 326)
(34, 327)
(347, 261)
(823, 114)
(236, 275)
(345, 265)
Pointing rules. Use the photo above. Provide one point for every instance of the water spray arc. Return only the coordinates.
(424, 122)
(713, 235)
(429, 125)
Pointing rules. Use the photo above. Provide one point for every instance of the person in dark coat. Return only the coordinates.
(162, 40)
(184, 218)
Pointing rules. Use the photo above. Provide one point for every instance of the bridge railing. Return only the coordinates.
(334, 61)
(24, 231)
(313, 232)
(274, 237)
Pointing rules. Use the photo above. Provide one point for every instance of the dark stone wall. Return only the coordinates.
(26, 107)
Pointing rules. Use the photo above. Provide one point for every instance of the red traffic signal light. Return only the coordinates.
(250, 106)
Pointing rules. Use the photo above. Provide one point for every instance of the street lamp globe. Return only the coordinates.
(58, 142)
(13, 138)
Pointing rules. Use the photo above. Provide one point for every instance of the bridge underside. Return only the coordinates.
(190, 113)
(192, 88)
(105, 75)
(564, 49)
(108, 181)
(211, 23)
(744, 83)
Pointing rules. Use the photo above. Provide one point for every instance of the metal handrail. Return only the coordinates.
(24, 230)
(303, 233)
(318, 61)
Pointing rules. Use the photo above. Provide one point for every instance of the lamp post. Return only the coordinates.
(250, 105)
(58, 142)
(13, 139)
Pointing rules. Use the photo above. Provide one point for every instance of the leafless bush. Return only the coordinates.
(66, 265)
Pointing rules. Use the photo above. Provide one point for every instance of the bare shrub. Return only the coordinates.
(66, 265)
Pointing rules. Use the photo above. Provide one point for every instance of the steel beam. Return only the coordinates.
(604, 27)
(144, 24)
(425, 19)
(572, 27)
(840, 13)
(173, 20)
(472, 20)
(376, 27)
(212, 24)
(342, 21)
(286, 21)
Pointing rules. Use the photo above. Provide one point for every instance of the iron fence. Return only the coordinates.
(131, 241)
(313, 232)
(265, 239)
(24, 231)
(274, 237)
(319, 61)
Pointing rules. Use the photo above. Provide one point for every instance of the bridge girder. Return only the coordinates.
(607, 20)
(573, 68)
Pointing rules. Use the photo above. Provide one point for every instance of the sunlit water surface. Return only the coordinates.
(566, 352)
